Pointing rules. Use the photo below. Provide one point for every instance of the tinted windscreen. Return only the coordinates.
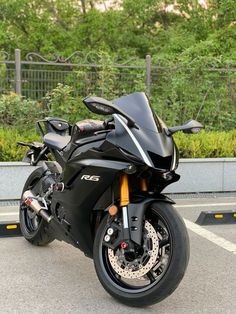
(137, 106)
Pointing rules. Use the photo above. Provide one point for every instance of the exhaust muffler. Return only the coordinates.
(32, 202)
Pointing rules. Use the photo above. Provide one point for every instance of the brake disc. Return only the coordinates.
(140, 266)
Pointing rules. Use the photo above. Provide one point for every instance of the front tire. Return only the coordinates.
(33, 227)
(161, 280)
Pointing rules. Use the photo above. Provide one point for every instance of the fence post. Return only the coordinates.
(18, 71)
(148, 75)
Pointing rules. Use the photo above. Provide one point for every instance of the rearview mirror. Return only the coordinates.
(192, 126)
(99, 105)
(105, 107)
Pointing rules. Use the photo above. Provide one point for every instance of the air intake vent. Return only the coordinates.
(161, 162)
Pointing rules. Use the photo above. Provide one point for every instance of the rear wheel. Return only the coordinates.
(153, 270)
(33, 227)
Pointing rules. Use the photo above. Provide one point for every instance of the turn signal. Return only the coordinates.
(113, 210)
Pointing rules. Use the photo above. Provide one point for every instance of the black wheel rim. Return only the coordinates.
(29, 220)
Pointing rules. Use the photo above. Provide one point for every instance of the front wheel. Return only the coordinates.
(153, 270)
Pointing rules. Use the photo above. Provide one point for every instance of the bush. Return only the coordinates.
(22, 113)
(18, 115)
(202, 145)
(206, 144)
(61, 103)
(18, 111)
(9, 150)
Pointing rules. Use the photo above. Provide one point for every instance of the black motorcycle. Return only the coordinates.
(102, 194)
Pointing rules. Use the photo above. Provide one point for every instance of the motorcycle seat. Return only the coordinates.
(80, 130)
(56, 141)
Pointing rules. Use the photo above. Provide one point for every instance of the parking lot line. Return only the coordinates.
(210, 236)
(204, 205)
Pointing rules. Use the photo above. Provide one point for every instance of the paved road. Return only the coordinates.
(59, 279)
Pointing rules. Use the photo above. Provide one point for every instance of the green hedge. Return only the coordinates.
(9, 151)
(202, 145)
(18, 116)
(207, 144)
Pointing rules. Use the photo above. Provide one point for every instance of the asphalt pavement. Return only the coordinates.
(60, 279)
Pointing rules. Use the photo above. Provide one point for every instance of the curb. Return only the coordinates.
(217, 217)
(10, 229)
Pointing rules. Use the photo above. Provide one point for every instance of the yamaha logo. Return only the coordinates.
(90, 178)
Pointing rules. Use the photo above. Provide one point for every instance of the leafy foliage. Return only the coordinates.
(108, 81)
(9, 151)
(207, 96)
(184, 37)
(207, 144)
(61, 103)
(202, 145)
(135, 27)
(23, 113)
(15, 110)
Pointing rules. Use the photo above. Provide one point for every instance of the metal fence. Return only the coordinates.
(176, 93)
(35, 76)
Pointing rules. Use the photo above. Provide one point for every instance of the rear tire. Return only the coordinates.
(34, 228)
(174, 270)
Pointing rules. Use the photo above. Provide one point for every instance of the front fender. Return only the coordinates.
(136, 212)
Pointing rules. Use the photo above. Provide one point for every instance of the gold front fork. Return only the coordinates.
(124, 202)
(124, 190)
(124, 197)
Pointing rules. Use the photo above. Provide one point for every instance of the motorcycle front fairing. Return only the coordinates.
(148, 141)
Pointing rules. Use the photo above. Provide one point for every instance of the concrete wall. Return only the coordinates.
(12, 179)
(205, 175)
(197, 175)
